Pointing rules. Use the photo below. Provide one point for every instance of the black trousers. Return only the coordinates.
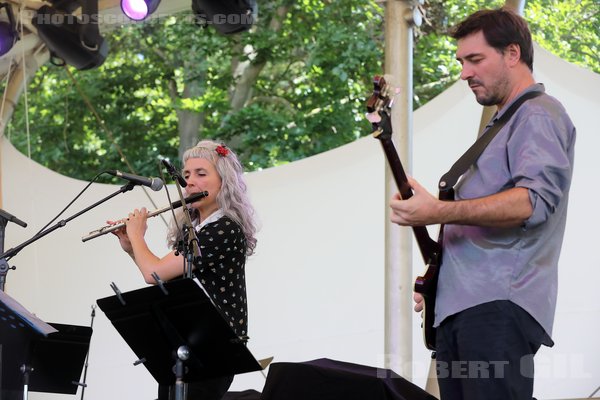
(486, 353)
(210, 389)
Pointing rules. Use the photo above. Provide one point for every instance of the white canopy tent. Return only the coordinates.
(316, 284)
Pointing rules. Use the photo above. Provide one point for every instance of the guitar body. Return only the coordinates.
(431, 250)
(426, 285)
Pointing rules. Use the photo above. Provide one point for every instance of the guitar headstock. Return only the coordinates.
(380, 99)
(379, 106)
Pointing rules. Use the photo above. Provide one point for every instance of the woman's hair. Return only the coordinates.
(232, 198)
(500, 27)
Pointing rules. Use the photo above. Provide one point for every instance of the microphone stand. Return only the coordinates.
(12, 252)
(4, 267)
(190, 251)
(87, 357)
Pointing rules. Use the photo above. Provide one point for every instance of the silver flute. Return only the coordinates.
(176, 204)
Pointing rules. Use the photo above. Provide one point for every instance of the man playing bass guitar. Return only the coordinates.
(497, 285)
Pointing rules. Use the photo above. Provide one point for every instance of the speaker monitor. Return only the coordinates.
(326, 379)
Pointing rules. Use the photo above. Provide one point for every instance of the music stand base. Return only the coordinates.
(183, 353)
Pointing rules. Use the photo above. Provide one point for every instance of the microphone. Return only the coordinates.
(153, 183)
(174, 173)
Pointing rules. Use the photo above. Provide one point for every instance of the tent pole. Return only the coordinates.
(398, 241)
(517, 5)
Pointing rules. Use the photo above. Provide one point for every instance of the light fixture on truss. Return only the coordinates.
(139, 10)
(226, 16)
(8, 30)
(73, 40)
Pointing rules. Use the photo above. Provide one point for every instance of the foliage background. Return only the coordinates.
(292, 86)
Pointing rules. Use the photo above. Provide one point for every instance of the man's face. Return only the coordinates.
(484, 68)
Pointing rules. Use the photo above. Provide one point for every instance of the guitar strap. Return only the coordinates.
(449, 179)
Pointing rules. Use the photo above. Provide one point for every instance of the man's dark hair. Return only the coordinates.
(500, 28)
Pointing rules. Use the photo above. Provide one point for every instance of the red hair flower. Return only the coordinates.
(222, 150)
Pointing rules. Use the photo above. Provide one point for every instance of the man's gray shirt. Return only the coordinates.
(533, 150)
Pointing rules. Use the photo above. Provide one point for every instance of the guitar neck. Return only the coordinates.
(429, 248)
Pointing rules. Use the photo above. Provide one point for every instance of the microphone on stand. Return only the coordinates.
(173, 172)
(153, 183)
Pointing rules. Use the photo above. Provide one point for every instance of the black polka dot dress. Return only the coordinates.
(220, 269)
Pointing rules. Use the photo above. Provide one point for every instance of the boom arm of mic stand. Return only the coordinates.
(12, 252)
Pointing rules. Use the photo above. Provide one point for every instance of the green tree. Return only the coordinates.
(293, 86)
(567, 28)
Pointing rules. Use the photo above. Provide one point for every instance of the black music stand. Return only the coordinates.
(38, 356)
(158, 322)
(57, 360)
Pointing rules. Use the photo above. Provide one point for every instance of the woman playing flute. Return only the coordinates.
(225, 227)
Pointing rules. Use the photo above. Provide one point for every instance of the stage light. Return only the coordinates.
(226, 16)
(138, 10)
(8, 30)
(74, 40)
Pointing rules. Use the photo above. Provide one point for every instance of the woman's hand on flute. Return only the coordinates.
(136, 224)
(121, 234)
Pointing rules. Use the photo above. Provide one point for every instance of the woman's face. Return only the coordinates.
(201, 175)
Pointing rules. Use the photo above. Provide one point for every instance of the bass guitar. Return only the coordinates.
(379, 106)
